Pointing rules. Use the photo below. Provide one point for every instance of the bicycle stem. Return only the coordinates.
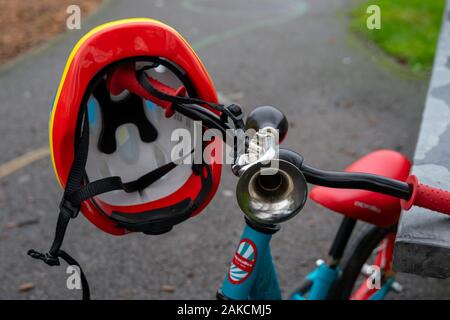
(262, 147)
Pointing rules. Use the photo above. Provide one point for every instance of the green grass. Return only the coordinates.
(409, 29)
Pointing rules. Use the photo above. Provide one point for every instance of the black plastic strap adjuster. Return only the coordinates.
(47, 257)
(234, 112)
(68, 207)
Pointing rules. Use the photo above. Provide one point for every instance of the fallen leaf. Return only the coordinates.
(227, 193)
(11, 225)
(347, 104)
(27, 286)
(168, 288)
(15, 224)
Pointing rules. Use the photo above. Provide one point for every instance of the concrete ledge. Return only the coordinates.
(422, 259)
(423, 241)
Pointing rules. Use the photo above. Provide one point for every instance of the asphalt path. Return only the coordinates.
(341, 102)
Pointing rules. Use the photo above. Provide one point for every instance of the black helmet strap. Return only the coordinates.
(69, 210)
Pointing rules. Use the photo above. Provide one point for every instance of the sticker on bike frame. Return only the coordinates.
(243, 262)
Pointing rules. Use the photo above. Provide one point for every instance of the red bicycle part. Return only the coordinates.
(427, 197)
(124, 78)
(383, 261)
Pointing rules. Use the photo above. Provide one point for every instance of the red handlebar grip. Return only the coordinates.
(427, 197)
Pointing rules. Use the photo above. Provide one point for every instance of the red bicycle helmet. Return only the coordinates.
(101, 56)
(124, 90)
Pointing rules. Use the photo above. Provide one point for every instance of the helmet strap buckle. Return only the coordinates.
(233, 112)
(48, 258)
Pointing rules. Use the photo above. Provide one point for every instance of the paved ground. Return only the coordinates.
(298, 56)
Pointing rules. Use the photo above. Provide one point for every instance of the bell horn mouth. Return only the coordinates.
(271, 192)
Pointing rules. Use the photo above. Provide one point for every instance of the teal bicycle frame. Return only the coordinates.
(252, 274)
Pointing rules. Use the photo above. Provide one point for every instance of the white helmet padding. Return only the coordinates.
(134, 157)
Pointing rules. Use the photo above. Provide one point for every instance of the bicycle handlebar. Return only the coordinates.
(348, 180)
(353, 180)
(411, 193)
